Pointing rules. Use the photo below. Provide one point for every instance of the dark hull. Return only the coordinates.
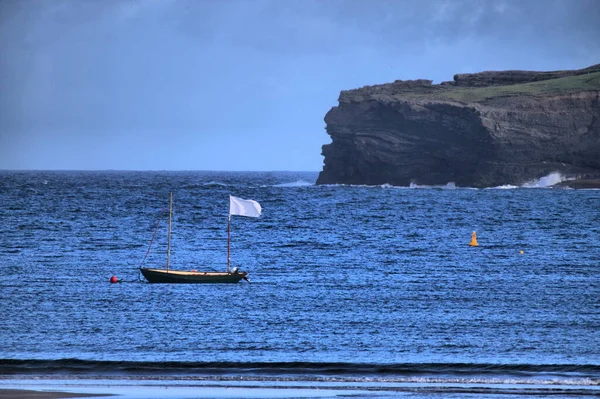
(184, 277)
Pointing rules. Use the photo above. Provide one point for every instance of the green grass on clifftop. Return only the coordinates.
(569, 84)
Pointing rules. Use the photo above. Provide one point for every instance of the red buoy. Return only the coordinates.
(114, 279)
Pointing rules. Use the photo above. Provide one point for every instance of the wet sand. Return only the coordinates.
(28, 394)
(163, 390)
(190, 392)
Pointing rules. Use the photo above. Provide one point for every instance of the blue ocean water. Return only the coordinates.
(349, 285)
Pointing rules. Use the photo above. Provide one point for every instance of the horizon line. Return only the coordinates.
(157, 170)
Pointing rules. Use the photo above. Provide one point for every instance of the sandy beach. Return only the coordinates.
(183, 392)
(31, 394)
(49, 389)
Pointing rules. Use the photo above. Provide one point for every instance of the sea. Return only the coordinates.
(355, 291)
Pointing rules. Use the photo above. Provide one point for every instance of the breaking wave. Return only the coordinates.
(503, 187)
(543, 182)
(448, 186)
(546, 181)
(214, 184)
(547, 374)
(298, 183)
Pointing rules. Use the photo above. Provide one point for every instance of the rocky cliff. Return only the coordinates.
(479, 130)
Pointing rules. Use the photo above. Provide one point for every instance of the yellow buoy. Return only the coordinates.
(521, 252)
(474, 240)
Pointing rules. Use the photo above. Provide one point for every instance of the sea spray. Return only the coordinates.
(546, 181)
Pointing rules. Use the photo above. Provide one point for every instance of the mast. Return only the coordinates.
(169, 233)
(228, 241)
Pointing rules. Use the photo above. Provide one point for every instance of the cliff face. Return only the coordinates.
(480, 130)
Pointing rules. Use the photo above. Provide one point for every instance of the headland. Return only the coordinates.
(480, 130)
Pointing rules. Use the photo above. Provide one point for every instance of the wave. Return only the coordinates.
(214, 184)
(546, 181)
(503, 187)
(448, 186)
(297, 183)
(570, 382)
(584, 374)
(543, 182)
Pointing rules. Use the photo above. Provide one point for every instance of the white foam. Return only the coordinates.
(448, 186)
(503, 187)
(297, 183)
(214, 183)
(546, 181)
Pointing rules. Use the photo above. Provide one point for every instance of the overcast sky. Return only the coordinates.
(243, 84)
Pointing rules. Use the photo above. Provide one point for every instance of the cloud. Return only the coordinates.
(122, 66)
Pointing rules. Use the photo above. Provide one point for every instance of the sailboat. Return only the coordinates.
(237, 206)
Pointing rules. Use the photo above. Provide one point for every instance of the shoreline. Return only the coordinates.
(10, 393)
(579, 184)
(174, 391)
(61, 387)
